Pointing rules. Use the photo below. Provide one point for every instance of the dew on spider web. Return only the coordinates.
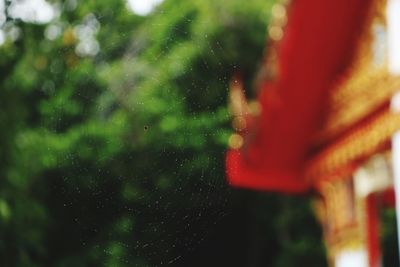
(172, 193)
(181, 215)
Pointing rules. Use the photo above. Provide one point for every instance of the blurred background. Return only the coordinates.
(114, 127)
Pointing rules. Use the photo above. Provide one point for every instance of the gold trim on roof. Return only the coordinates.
(366, 85)
(378, 88)
(361, 142)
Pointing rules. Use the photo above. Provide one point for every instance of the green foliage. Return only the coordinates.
(117, 159)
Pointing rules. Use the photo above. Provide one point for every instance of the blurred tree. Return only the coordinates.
(114, 128)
